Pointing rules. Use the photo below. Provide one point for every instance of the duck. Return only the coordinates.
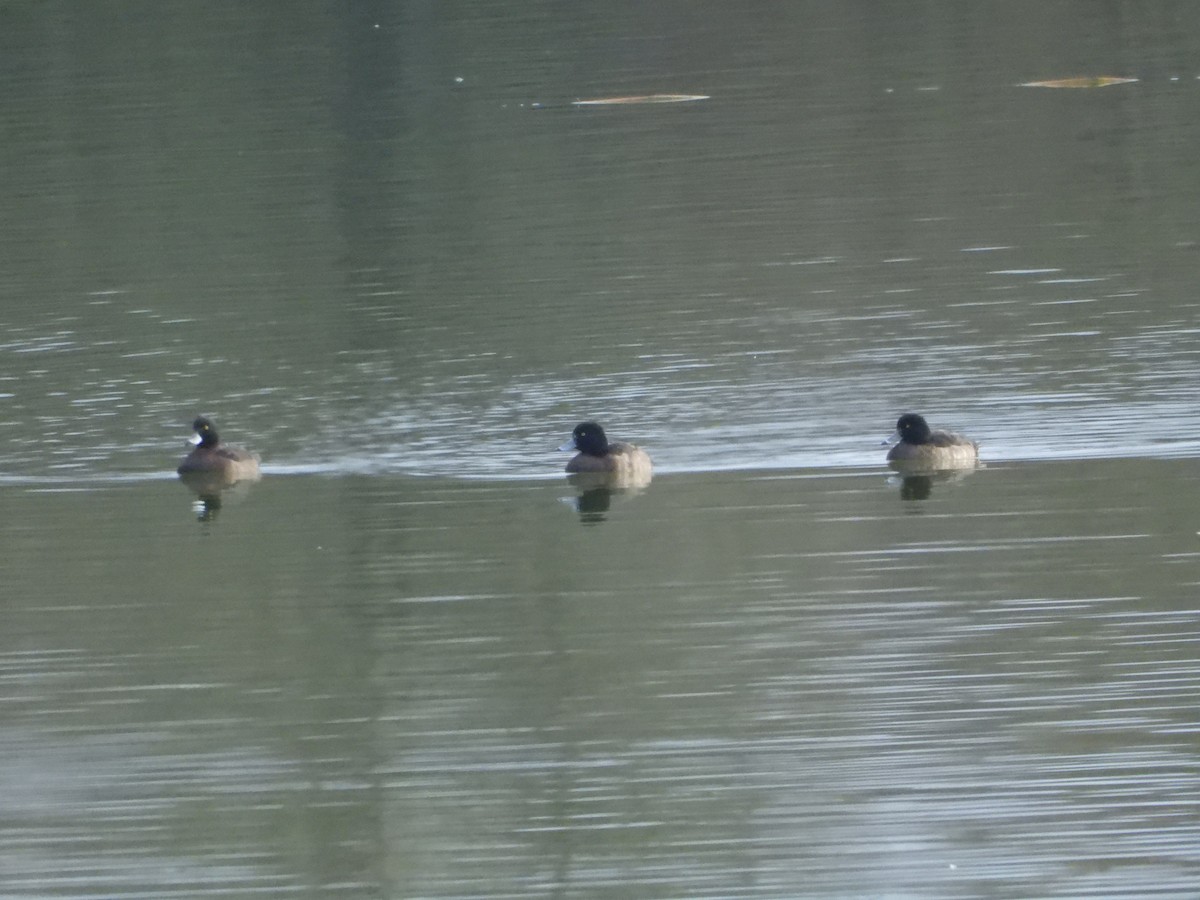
(210, 459)
(598, 455)
(921, 446)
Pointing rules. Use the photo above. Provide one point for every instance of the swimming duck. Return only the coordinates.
(921, 446)
(212, 459)
(597, 455)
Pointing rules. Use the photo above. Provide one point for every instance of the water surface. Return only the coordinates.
(382, 249)
(730, 684)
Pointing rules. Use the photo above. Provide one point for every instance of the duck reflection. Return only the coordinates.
(916, 487)
(212, 491)
(595, 492)
(917, 483)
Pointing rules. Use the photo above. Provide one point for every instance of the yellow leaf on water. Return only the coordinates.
(641, 98)
(1086, 81)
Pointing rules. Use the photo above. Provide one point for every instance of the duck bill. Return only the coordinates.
(195, 439)
(890, 439)
(569, 445)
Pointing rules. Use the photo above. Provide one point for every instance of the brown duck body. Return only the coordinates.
(620, 459)
(923, 446)
(597, 455)
(215, 460)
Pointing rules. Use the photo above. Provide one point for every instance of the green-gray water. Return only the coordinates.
(413, 661)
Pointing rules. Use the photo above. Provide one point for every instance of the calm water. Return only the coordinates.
(380, 247)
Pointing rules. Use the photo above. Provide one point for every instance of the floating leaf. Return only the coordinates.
(641, 98)
(1086, 81)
